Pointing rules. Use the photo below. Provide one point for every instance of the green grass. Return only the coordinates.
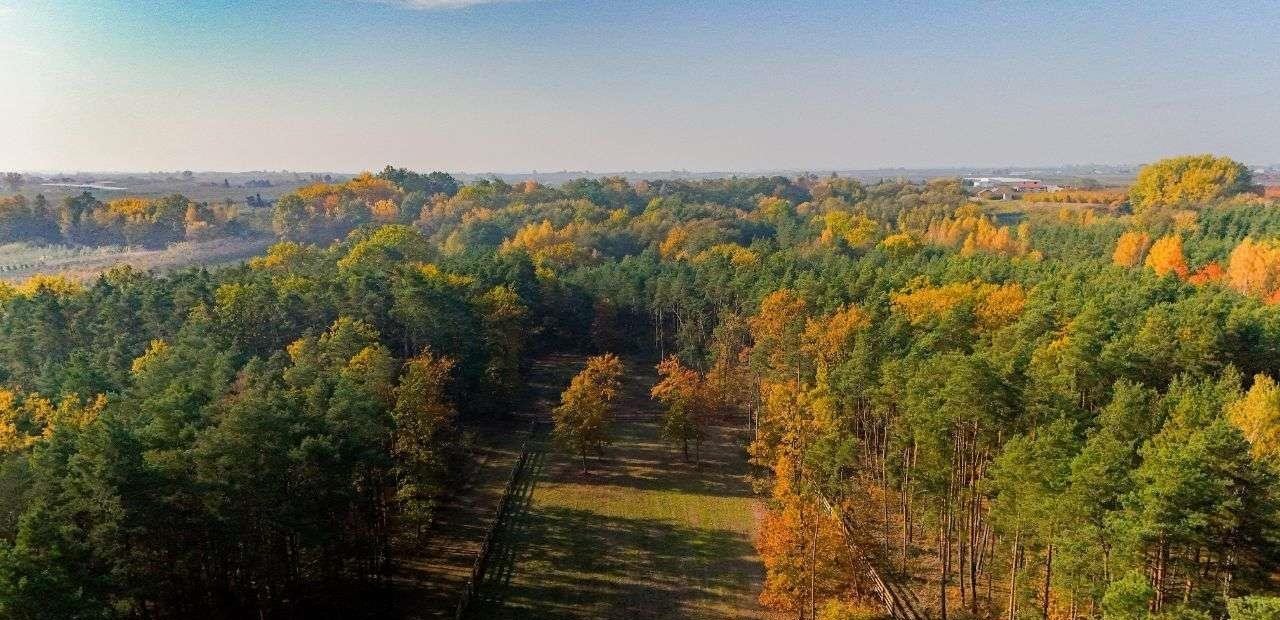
(643, 535)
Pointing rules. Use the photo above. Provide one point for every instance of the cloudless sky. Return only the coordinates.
(467, 85)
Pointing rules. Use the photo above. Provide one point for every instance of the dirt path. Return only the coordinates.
(645, 535)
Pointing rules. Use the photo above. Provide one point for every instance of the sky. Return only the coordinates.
(549, 85)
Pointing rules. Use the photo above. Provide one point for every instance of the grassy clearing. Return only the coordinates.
(643, 535)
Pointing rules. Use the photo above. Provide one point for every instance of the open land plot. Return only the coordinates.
(642, 535)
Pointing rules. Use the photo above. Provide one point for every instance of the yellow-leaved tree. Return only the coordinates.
(1129, 248)
(1186, 180)
(582, 419)
(854, 229)
(1257, 415)
(1254, 268)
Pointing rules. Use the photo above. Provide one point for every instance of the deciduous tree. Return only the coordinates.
(583, 417)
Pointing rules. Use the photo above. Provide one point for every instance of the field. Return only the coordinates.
(643, 535)
(19, 261)
(200, 186)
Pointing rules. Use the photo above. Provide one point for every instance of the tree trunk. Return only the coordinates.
(1048, 580)
(942, 570)
(1013, 576)
(1162, 562)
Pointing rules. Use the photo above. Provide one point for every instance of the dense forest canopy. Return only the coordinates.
(1056, 411)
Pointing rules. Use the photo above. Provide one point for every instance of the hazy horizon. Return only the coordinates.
(608, 171)
(552, 85)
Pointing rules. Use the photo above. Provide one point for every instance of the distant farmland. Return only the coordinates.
(19, 261)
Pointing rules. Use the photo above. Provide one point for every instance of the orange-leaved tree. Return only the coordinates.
(802, 547)
(1254, 268)
(690, 404)
(1166, 256)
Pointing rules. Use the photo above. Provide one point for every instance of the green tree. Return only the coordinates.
(1254, 608)
(423, 417)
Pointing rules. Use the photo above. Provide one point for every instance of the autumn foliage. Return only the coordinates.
(1257, 415)
(993, 305)
(1192, 179)
(1166, 257)
(1005, 437)
(423, 416)
(691, 404)
(547, 245)
(583, 417)
(974, 232)
(791, 537)
(1254, 268)
(1130, 248)
(1108, 197)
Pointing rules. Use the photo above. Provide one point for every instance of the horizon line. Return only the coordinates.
(616, 171)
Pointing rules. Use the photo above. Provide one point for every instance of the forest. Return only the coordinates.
(157, 221)
(1068, 410)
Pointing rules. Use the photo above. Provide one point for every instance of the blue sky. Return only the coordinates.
(478, 86)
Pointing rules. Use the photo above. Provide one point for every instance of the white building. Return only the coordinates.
(1018, 183)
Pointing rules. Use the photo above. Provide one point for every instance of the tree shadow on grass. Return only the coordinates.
(568, 562)
(508, 539)
(640, 459)
(580, 564)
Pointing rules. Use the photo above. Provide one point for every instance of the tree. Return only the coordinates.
(1188, 180)
(1166, 256)
(1030, 477)
(426, 184)
(289, 219)
(686, 395)
(504, 315)
(854, 229)
(582, 419)
(1128, 598)
(802, 548)
(1129, 248)
(1254, 608)
(13, 181)
(1198, 494)
(1257, 415)
(423, 417)
(1100, 481)
(1254, 268)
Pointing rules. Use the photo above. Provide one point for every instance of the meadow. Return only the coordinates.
(19, 261)
(643, 534)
